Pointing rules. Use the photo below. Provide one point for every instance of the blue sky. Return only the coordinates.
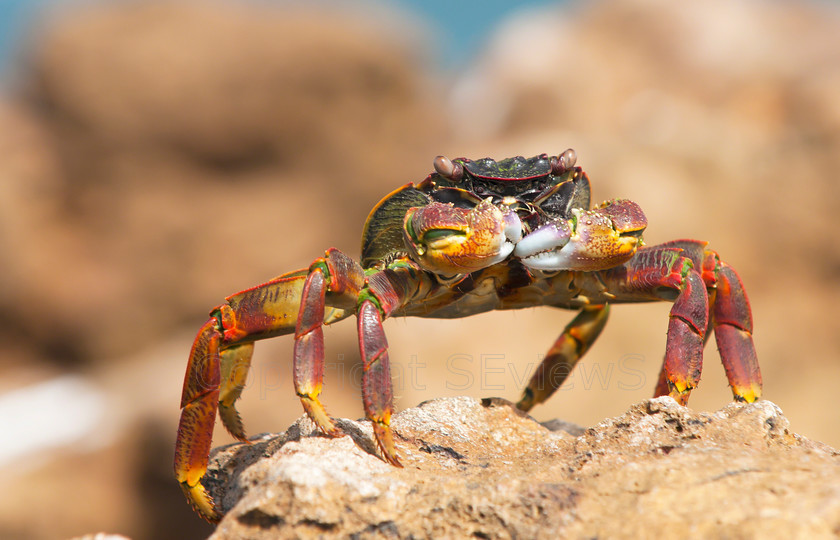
(467, 23)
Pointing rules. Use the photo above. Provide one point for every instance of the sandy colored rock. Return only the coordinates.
(483, 469)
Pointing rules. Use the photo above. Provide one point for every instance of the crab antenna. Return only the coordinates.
(445, 167)
(563, 162)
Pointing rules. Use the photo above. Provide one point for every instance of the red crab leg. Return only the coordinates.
(655, 271)
(561, 358)
(733, 332)
(731, 319)
(377, 394)
(386, 291)
(217, 369)
(339, 275)
(687, 324)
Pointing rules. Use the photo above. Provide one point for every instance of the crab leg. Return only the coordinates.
(687, 324)
(235, 363)
(217, 369)
(377, 394)
(733, 332)
(386, 291)
(561, 358)
(342, 277)
(199, 400)
(667, 273)
(730, 317)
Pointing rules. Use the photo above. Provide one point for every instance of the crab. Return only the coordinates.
(473, 236)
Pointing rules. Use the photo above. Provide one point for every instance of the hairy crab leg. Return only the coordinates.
(343, 278)
(217, 369)
(562, 357)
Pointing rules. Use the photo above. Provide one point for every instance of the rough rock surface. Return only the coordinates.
(483, 469)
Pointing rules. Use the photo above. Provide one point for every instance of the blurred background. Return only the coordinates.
(158, 156)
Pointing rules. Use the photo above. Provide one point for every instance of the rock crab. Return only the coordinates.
(473, 236)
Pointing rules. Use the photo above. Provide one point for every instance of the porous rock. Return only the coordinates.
(484, 469)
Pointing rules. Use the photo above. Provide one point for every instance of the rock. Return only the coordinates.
(224, 84)
(673, 102)
(153, 146)
(484, 469)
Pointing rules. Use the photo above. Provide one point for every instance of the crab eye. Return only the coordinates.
(446, 168)
(563, 162)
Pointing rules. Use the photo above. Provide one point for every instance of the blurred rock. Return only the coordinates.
(187, 150)
(227, 84)
(719, 118)
(101, 536)
(484, 469)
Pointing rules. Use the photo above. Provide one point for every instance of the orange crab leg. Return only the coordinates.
(562, 357)
(199, 400)
(217, 369)
(235, 363)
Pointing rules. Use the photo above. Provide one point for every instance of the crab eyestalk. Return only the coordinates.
(591, 240)
(449, 240)
(447, 168)
(563, 162)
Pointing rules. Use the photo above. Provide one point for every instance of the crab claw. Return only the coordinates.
(592, 240)
(446, 239)
(542, 247)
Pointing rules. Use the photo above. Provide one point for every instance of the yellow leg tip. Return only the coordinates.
(316, 412)
(680, 391)
(680, 386)
(385, 439)
(201, 502)
(748, 394)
